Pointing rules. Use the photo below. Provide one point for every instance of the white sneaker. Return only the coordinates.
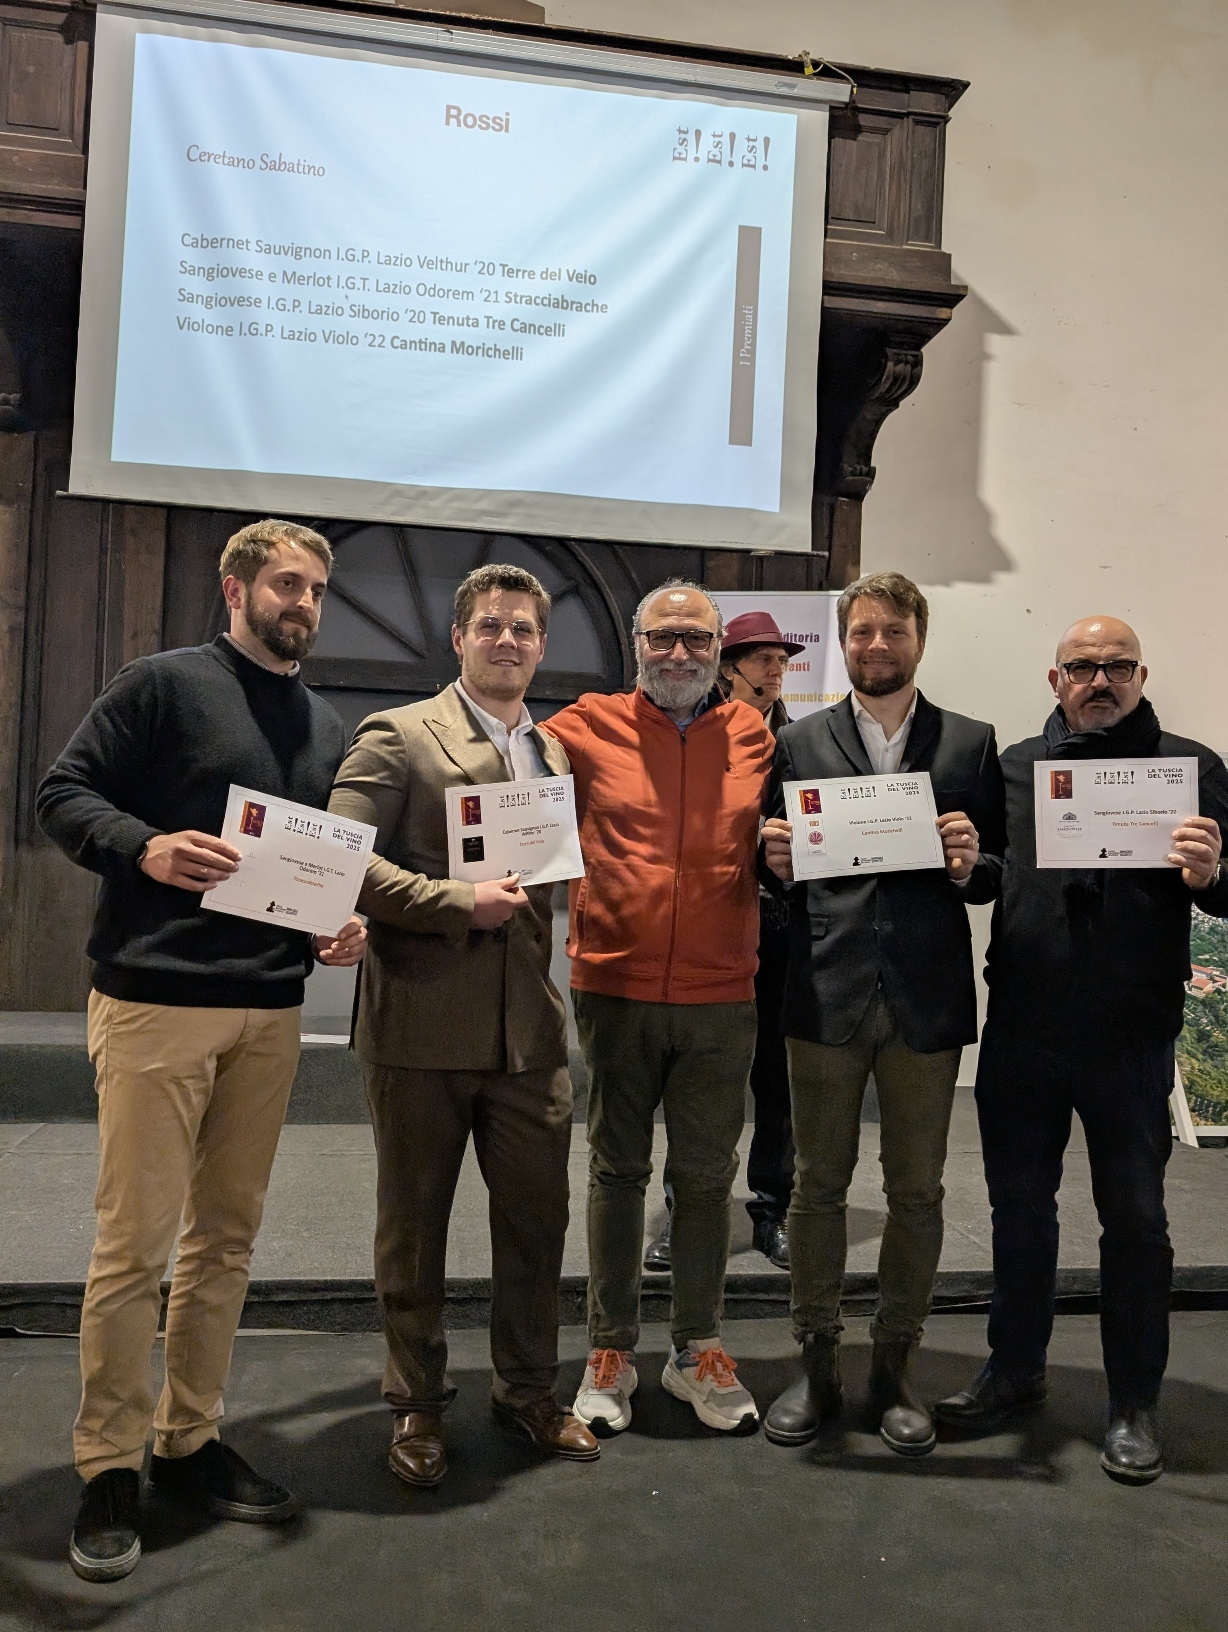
(705, 1376)
(604, 1400)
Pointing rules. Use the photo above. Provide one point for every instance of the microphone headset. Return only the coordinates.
(758, 690)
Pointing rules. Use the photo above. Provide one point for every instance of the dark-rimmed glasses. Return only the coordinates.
(523, 632)
(664, 640)
(1118, 671)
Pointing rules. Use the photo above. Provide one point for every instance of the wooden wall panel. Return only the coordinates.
(134, 572)
(16, 478)
(53, 902)
(44, 89)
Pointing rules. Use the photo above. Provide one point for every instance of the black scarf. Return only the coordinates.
(1135, 737)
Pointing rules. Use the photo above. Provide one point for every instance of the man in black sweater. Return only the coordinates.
(193, 1027)
(880, 979)
(1087, 971)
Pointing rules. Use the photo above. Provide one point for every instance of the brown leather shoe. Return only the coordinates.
(549, 1427)
(416, 1453)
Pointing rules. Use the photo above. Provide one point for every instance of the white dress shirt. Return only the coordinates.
(520, 753)
(885, 753)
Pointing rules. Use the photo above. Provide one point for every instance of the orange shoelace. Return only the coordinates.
(715, 1363)
(606, 1364)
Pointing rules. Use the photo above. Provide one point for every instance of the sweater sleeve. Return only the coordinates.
(570, 728)
(373, 786)
(774, 805)
(81, 802)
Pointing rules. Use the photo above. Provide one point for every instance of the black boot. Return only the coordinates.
(656, 1253)
(992, 1398)
(903, 1422)
(797, 1415)
(772, 1239)
(1132, 1450)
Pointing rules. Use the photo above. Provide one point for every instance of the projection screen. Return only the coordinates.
(345, 266)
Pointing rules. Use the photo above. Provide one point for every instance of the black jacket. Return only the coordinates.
(157, 754)
(908, 930)
(1095, 953)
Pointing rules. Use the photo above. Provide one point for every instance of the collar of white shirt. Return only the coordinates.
(885, 752)
(519, 751)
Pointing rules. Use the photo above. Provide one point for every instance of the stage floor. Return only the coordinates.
(673, 1528)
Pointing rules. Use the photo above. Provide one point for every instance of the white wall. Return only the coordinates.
(1065, 452)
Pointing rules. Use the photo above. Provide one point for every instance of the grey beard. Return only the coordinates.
(677, 694)
(291, 643)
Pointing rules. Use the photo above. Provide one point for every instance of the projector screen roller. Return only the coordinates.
(352, 277)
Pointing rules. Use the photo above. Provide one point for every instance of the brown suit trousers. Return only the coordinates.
(521, 1126)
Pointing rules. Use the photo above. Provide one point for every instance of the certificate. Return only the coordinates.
(497, 828)
(1111, 812)
(301, 868)
(863, 824)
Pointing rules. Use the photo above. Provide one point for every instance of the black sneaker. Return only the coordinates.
(105, 1545)
(221, 1480)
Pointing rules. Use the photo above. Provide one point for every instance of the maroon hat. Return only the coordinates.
(750, 629)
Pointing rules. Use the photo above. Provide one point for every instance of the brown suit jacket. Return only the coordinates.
(437, 994)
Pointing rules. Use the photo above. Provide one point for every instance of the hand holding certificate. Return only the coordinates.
(300, 868)
(1111, 812)
(872, 824)
(528, 828)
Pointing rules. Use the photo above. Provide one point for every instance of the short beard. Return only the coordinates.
(880, 685)
(291, 642)
(677, 694)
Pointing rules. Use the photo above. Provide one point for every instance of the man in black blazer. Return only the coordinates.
(880, 979)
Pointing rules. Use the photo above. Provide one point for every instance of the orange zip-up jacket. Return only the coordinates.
(668, 911)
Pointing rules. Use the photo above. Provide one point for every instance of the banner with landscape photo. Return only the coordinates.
(1202, 1048)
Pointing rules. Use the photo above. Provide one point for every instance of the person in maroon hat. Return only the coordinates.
(754, 659)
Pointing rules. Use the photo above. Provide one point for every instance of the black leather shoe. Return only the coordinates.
(1132, 1450)
(796, 1416)
(105, 1545)
(220, 1480)
(992, 1398)
(904, 1425)
(772, 1240)
(656, 1254)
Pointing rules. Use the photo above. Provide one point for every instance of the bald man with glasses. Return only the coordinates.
(1086, 972)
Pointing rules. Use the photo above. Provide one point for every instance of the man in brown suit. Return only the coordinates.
(461, 1031)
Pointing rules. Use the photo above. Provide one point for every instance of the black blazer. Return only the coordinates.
(907, 930)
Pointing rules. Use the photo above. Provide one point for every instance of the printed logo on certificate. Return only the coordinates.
(863, 824)
(514, 827)
(1111, 812)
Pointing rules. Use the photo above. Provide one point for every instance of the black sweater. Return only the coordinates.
(157, 753)
(1095, 954)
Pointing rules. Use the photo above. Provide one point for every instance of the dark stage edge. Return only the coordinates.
(54, 1308)
(54, 1082)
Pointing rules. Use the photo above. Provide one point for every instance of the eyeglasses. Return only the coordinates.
(524, 634)
(1117, 671)
(664, 640)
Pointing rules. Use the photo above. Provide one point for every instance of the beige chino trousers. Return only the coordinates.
(190, 1105)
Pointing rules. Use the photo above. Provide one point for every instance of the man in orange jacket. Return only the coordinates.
(663, 940)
